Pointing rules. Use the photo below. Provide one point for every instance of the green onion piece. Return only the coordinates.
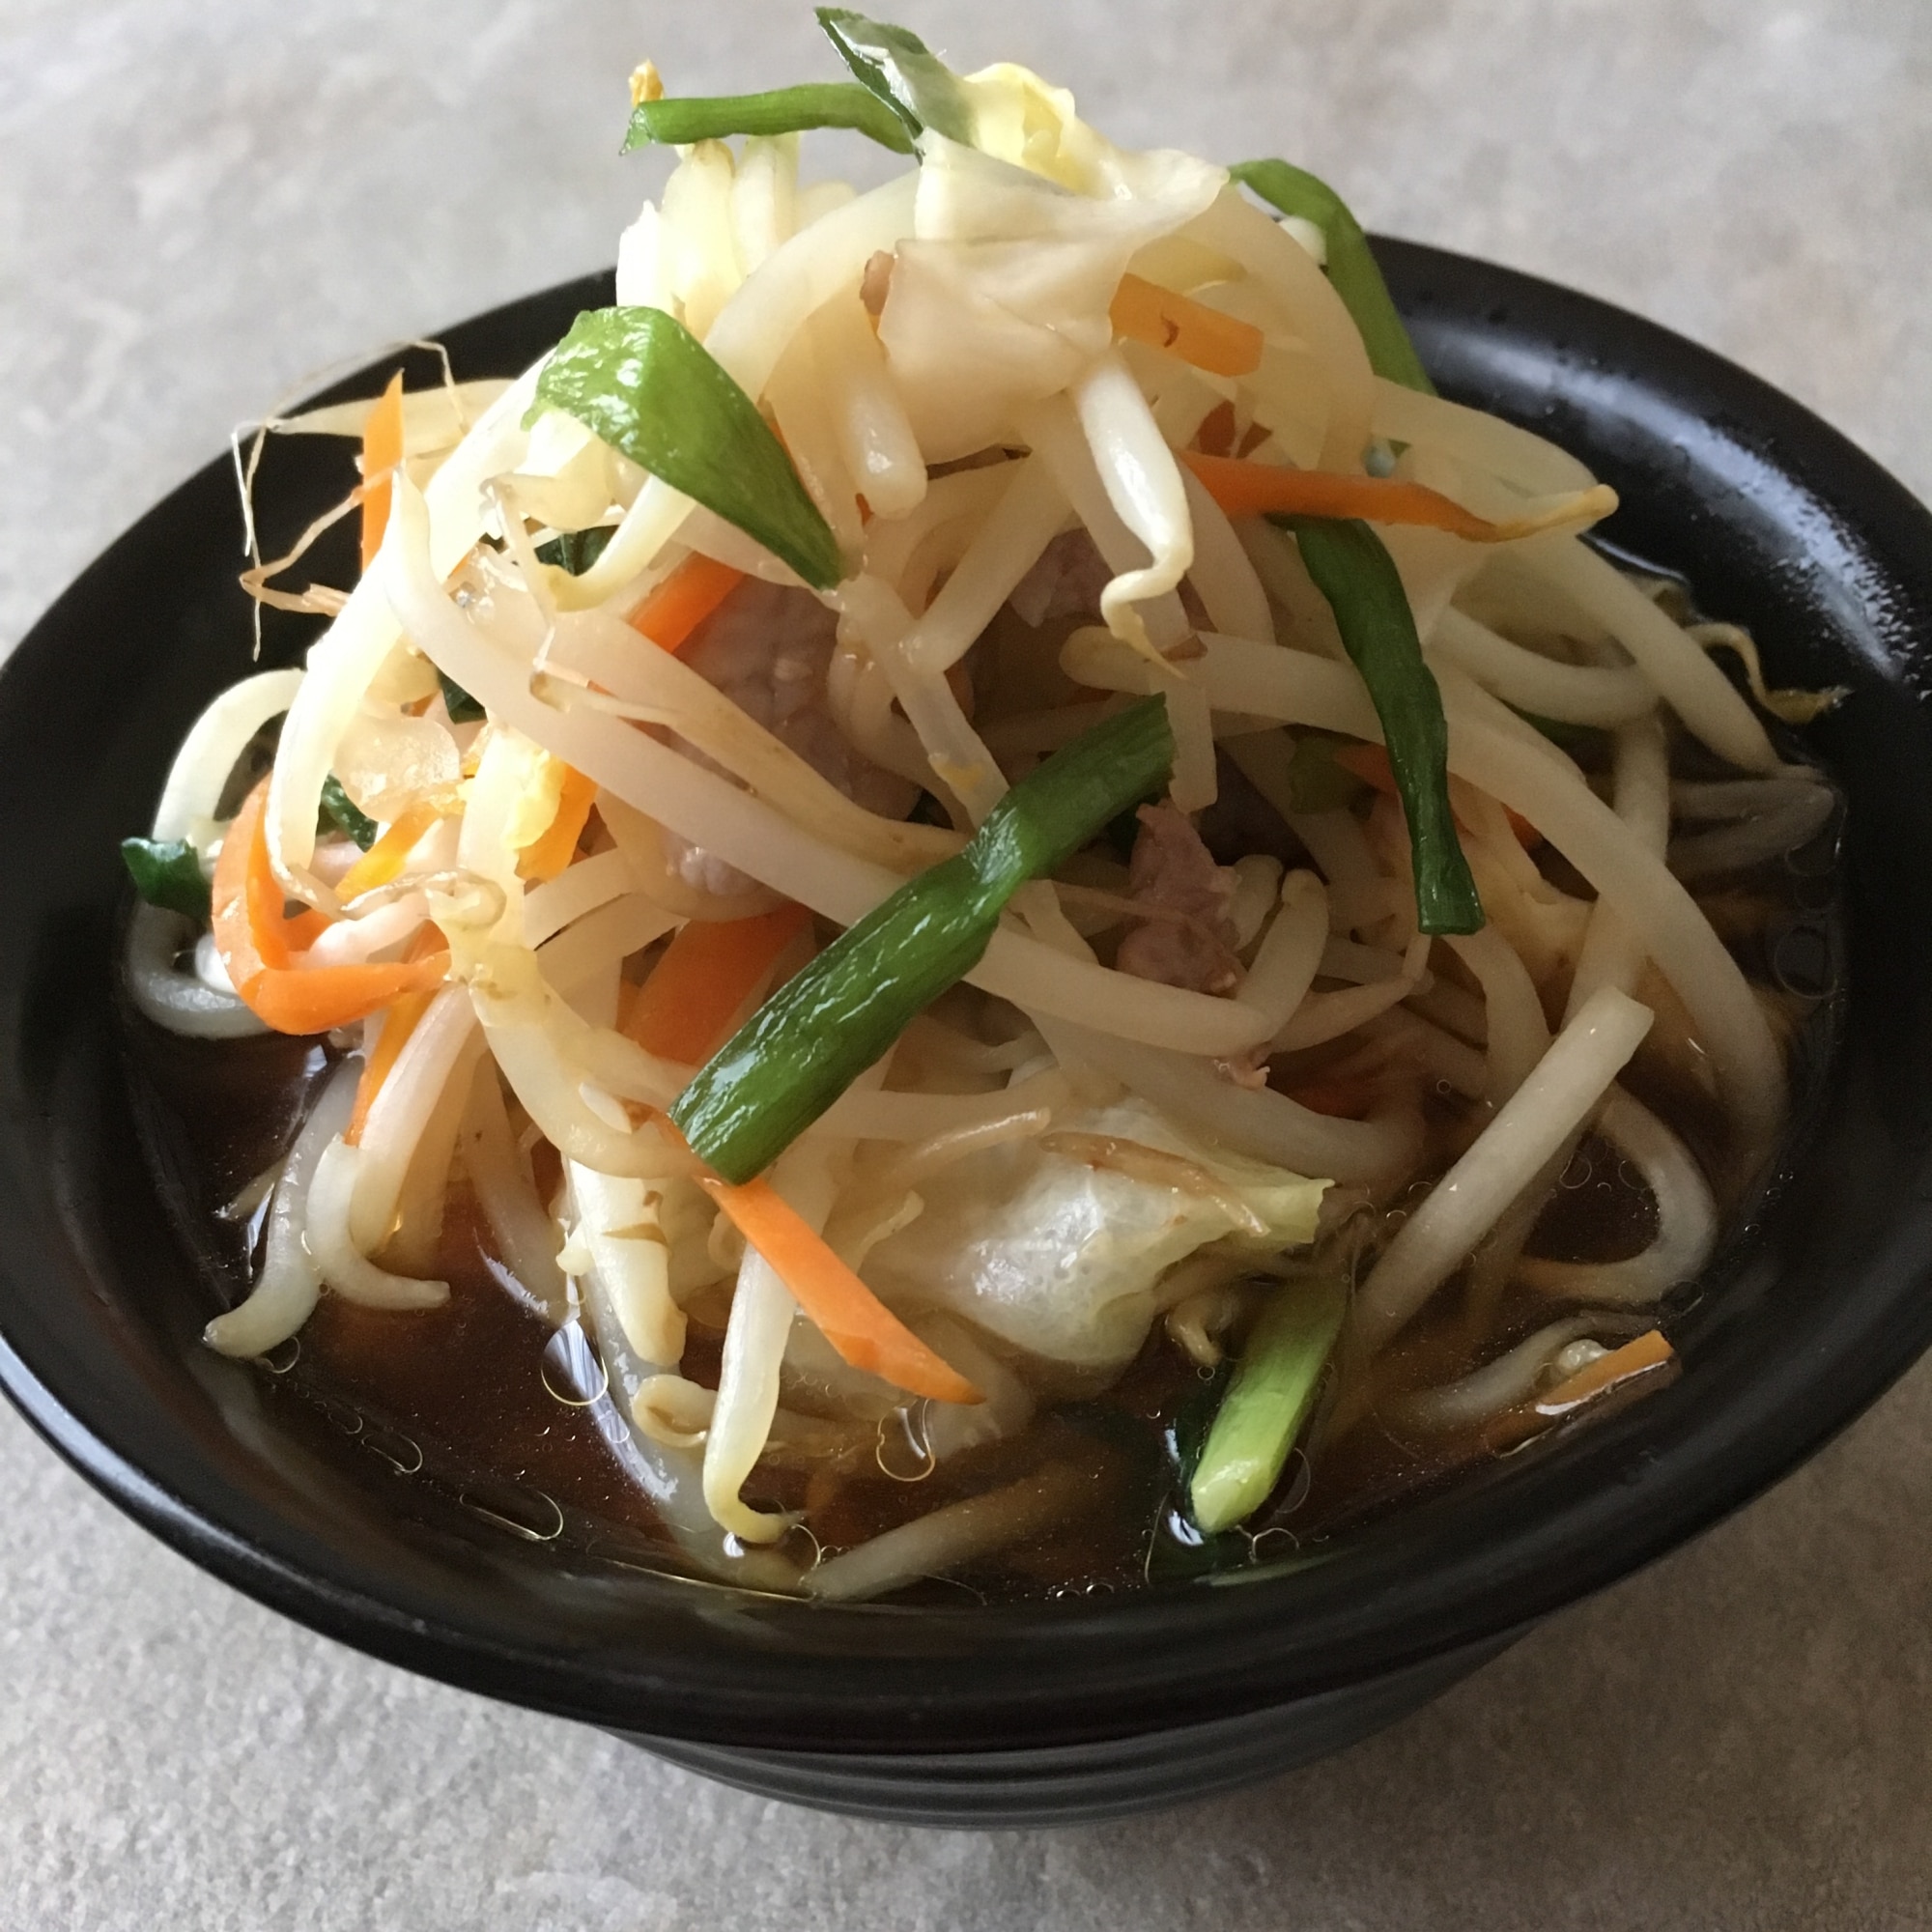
(640, 379)
(903, 72)
(785, 110)
(1267, 1401)
(167, 873)
(1352, 265)
(1194, 1422)
(824, 1027)
(348, 817)
(463, 709)
(1358, 577)
(576, 551)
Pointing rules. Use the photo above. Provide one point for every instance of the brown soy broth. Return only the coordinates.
(464, 1385)
(212, 1117)
(467, 1378)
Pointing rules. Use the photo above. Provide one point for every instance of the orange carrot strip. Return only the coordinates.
(554, 850)
(381, 452)
(1221, 344)
(708, 971)
(249, 940)
(683, 601)
(858, 1324)
(397, 1027)
(385, 858)
(1244, 489)
(253, 937)
(304, 929)
(327, 997)
(1649, 1351)
(399, 1022)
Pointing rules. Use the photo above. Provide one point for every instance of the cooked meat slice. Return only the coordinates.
(1174, 872)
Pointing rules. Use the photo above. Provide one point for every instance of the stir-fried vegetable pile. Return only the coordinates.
(956, 777)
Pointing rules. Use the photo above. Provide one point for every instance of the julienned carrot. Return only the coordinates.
(1244, 489)
(1221, 344)
(398, 1023)
(256, 941)
(1649, 1351)
(707, 972)
(683, 601)
(304, 929)
(858, 1324)
(1648, 1359)
(381, 452)
(554, 851)
(385, 858)
(1371, 764)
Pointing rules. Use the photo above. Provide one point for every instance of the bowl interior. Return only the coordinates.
(1815, 1305)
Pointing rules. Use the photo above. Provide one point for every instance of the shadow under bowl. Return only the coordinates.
(1026, 1713)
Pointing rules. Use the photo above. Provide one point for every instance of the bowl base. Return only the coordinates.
(1077, 1785)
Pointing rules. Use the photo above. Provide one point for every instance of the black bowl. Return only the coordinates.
(979, 1715)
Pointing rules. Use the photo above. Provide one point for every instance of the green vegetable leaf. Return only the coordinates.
(167, 873)
(1352, 268)
(1358, 578)
(783, 110)
(1268, 1399)
(463, 709)
(903, 72)
(348, 817)
(640, 379)
(576, 551)
(825, 1026)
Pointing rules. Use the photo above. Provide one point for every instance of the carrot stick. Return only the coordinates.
(398, 1024)
(255, 940)
(1244, 489)
(1649, 1361)
(304, 929)
(327, 997)
(683, 601)
(1221, 344)
(383, 860)
(1649, 1351)
(381, 452)
(554, 851)
(708, 971)
(858, 1324)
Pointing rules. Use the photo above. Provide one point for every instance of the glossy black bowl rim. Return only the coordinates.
(1463, 1572)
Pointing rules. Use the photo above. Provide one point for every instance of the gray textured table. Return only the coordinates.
(201, 204)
